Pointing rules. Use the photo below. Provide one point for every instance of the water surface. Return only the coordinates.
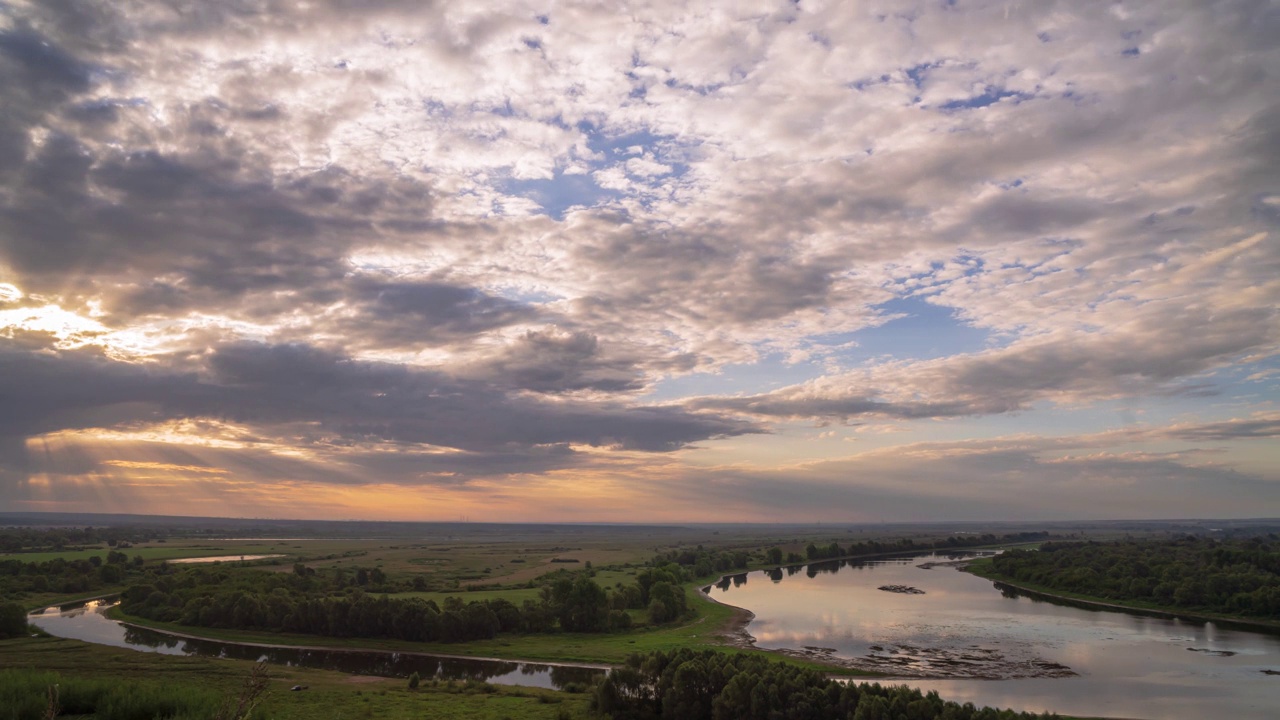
(219, 558)
(87, 622)
(1119, 664)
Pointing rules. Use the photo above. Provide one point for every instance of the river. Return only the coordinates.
(88, 622)
(1053, 657)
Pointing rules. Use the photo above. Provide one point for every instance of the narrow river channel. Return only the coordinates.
(87, 621)
(1047, 656)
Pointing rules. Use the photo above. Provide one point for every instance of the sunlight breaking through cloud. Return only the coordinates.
(551, 254)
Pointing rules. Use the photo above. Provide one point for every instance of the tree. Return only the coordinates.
(13, 620)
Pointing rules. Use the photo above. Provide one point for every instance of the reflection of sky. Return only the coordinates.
(88, 623)
(1130, 665)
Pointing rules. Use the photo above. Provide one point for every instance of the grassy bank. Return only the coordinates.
(330, 695)
(985, 568)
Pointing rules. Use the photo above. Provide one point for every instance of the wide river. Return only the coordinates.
(1057, 658)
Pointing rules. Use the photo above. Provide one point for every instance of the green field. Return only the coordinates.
(513, 595)
(147, 552)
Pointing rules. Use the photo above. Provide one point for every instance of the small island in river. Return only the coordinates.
(904, 589)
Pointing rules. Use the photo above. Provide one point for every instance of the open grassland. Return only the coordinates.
(151, 551)
(329, 695)
(512, 595)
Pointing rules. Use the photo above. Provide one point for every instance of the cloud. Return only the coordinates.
(1024, 478)
(464, 237)
(317, 396)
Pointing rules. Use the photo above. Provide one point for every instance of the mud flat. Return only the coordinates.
(909, 661)
(901, 589)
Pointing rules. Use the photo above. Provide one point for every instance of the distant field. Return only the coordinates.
(148, 551)
(516, 596)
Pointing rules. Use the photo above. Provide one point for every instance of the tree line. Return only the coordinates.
(1236, 577)
(35, 539)
(706, 684)
(700, 562)
(320, 603)
(872, 547)
(59, 575)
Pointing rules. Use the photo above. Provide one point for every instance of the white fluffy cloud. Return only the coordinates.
(554, 204)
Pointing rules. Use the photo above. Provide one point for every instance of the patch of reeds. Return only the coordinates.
(41, 695)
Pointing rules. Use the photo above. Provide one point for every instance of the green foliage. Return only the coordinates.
(19, 578)
(13, 620)
(414, 681)
(324, 604)
(1235, 577)
(27, 695)
(710, 685)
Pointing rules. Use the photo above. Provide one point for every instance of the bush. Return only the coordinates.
(13, 620)
(26, 695)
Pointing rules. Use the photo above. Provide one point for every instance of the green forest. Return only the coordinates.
(336, 604)
(1233, 577)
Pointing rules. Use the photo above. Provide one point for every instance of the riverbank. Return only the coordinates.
(984, 568)
(711, 629)
(328, 693)
(335, 648)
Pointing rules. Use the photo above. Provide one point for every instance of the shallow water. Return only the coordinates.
(87, 622)
(1125, 665)
(219, 558)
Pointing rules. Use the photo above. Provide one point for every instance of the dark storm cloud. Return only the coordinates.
(42, 392)
(551, 362)
(36, 77)
(44, 67)
(192, 218)
(324, 397)
(374, 400)
(414, 314)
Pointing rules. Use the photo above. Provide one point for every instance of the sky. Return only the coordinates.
(744, 261)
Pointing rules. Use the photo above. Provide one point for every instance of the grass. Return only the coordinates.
(330, 695)
(514, 595)
(156, 551)
(985, 568)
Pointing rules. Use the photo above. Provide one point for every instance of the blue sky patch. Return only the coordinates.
(560, 193)
(991, 96)
(924, 332)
